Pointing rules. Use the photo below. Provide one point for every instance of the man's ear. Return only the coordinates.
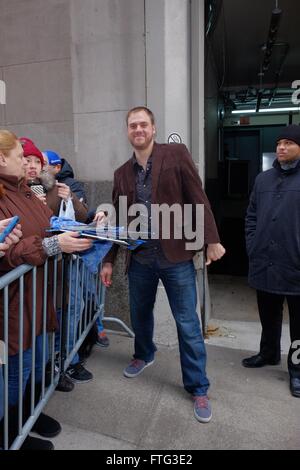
(3, 162)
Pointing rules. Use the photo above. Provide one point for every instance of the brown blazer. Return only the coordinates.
(175, 179)
(18, 199)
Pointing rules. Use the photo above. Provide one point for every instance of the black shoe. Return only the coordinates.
(33, 443)
(82, 360)
(295, 387)
(65, 384)
(78, 374)
(46, 426)
(259, 361)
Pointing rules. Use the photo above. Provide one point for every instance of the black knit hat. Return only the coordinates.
(291, 132)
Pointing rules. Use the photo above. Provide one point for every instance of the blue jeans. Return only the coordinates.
(1, 394)
(86, 287)
(180, 284)
(76, 309)
(13, 369)
(86, 291)
(99, 324)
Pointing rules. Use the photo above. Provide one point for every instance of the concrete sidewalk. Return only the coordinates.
(252, 409)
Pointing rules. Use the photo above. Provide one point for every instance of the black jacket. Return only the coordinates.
(66, 175)
(273, 231)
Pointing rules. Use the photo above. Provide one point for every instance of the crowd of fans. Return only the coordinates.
(36, 185)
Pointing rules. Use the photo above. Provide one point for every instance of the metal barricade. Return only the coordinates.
(78, 299)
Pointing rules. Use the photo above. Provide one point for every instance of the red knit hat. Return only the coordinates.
(29, 148)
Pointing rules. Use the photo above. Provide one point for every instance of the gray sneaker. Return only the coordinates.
(102, 340)
(136, 367)
(202, 409)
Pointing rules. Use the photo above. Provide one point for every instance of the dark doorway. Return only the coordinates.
(240, 163)
(236, 175)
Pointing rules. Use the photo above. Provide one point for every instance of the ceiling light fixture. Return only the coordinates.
(244, 111)
(268, 46)
(267, 110)
(279, 110)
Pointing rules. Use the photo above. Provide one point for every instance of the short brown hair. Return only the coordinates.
(138, 109)
(8, 141)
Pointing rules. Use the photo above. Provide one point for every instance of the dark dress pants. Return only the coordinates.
(270, 307)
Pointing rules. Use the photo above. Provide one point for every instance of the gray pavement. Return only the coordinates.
(252, 409)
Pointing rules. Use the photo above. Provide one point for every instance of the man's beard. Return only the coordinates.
(142, 146)
(47, 179)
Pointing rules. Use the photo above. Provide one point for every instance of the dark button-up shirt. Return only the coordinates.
(151, 252)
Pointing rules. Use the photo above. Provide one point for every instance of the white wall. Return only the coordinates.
(108, 70)
(168, 66)
(73, 68)
(35, 64)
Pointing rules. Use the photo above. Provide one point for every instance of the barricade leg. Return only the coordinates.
(64, 316)
(1, 394)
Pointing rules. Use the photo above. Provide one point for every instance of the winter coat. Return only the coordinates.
(34, 219)
(54, 201)
(66, 175)
(273, 231)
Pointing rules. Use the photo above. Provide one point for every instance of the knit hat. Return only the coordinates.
(29, 148)
(53, 157)
(24, 140)
(291, 132)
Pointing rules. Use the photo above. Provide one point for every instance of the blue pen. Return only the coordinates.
(14, 221)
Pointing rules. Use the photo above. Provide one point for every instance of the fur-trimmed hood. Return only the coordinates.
(47, 180)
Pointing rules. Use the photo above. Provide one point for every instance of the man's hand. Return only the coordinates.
(63, 191)
(214, 252)
(100, 218)
(106, 274)
(70, 243)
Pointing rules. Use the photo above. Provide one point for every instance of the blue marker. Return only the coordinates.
(14, 221)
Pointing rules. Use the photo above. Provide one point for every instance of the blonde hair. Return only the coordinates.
(8, 141)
